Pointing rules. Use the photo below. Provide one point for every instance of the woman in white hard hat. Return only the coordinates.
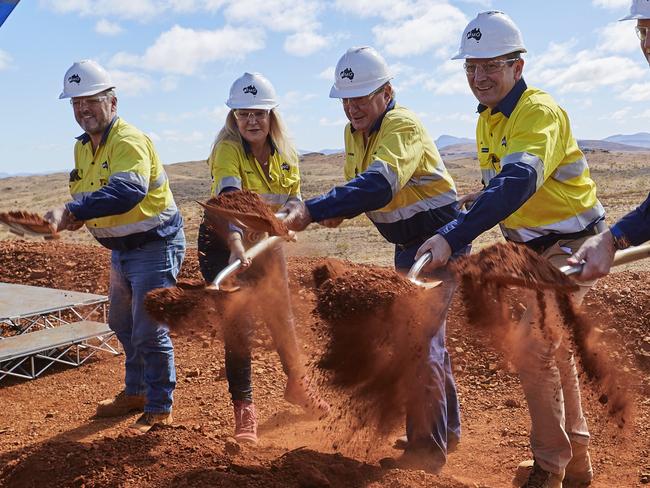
(252, 152)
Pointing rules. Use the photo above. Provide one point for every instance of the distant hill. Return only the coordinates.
(640, 139)
(447, 140)
(604, 145)
(325, 152)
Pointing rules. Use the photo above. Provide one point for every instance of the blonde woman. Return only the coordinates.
(252, 151)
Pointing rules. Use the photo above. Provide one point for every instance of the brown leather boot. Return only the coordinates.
(148, 419)
(122, 404)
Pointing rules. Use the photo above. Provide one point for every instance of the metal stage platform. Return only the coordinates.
(45, 326)
(24, 307)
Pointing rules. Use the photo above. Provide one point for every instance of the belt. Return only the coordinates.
(413, 242)
(548, 241)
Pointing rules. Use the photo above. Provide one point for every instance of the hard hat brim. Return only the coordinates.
(86, 93)
(634, 17)
(256, 106)
(490, 55)
(358, 91)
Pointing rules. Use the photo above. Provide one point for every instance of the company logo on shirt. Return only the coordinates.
(285, 166)
(74, 175)
(474, 34)
(485, 149)
(105, 165)
(347, 73)
(74, 79)
(503, 141)
(250, 89)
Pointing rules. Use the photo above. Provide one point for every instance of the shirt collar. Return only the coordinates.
(509, 102)
(84, 138)
(247, 146)
(377, 125)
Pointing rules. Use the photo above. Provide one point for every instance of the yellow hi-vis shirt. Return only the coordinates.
(125, 154)
(538, 133)
(232, 166)
(402, 151)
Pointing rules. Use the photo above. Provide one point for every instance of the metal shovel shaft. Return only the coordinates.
(621, 257)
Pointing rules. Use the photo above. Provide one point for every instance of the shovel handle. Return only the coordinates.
(251, 254)
(418, 265)
(621, 257)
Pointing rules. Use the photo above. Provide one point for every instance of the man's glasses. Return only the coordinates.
(247, 115)
(642, 32)
(90, 102)
(363, 101)
(490, 67)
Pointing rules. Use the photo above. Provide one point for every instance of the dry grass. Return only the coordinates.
(621, 177)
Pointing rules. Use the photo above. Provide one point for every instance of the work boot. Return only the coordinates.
(245, 422)
(148, 419)
(300, 393)
(578, 472)
(120, 405)
(402, 443)
(416, 459)
(532, 475)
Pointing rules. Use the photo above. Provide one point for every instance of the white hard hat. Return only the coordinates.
(640, 9)
(489, 35)
(85, 78)
(252, 90)
(359, 72)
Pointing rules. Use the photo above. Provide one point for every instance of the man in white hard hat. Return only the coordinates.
(120, 191)
(597, 253)
(397, 178)
(537, 187)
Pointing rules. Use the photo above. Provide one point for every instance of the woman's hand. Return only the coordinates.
(237, 250)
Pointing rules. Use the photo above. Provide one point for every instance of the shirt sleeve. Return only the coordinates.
(394, 161)
(635, 226)
(128, 183)
(505, 193)
(225, 167)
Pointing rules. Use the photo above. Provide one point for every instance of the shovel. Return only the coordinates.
(248, 220)
(621, 257)
(234, 267)
(23, 223)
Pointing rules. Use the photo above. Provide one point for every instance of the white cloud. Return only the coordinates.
(326, 122)
(643, 115)
(171, 135)
(276, 15)
(129, 83)
(617, 37)
(434, 28)
(169, 83)
(388, 9)
(619, 115)
(295, 98)
(637, 92)
(107, 28)
(611, 4)
(183, 51)
(5, 60)
(126, 9)
(304, 43)
(581, 72)
(327, 74)
(455, 84)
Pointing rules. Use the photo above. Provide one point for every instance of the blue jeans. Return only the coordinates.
(148, 348)
(432, 409)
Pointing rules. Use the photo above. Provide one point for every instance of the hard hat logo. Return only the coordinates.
(347, 73)
(252, 91)
(475, 34)
(74, 79)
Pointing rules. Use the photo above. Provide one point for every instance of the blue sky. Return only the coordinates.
(173, 62)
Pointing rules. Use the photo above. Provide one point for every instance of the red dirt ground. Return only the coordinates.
(49, 438)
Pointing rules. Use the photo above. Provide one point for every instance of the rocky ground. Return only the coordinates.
(48, 436)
